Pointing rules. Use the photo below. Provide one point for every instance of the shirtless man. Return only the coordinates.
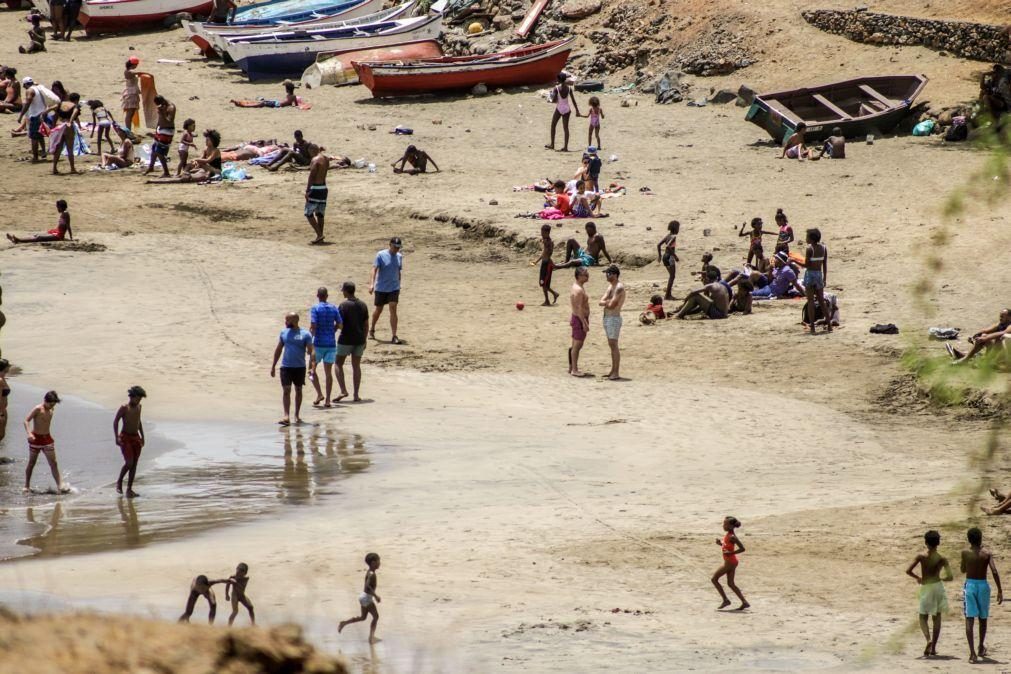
(995, 335)
(129, 437)
(163, 134)
(712, 299)
(976, 561)
(580, 320)
(612, 301)
(316, 194)
(418, 159)
(933, 601)
(589, 256)
(301, 153)
(546, 264)
(834, 146)
(37, 426)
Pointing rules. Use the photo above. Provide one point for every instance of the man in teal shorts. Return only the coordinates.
(976, 561)
(576, 256)
(323, 321)
(354, 316)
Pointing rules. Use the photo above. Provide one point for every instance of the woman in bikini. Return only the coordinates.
(815, 277)
(731, 547)
(124, 157)
(101, 121)
(595, 114)
(5, 391)
(204, 168)
(666, 253)
(64, 135)
(565, 102)
(755, 249)
(794, 148)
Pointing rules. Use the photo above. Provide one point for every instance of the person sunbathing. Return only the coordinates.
(998, 334)
(301, 153)
(289, 100)
(249, 151)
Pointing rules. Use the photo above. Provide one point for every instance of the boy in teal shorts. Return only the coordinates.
(975, 563)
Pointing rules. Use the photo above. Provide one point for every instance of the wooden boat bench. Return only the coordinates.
(831, 106)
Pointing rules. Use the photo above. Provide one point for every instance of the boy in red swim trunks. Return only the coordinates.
(37, 426)
(130, 437)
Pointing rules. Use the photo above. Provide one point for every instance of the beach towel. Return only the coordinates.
(266, 159)
(147, 94)
(56, 140)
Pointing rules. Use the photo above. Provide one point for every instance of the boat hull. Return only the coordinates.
(336, 68)
(276, 59)
(858, 107)
(120, 16)
(458, 74)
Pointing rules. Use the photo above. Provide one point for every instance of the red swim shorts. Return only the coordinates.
(130, 444)
(578, 329)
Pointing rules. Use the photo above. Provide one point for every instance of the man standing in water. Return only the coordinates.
(37, 426)
(580, 321)
(294, 343)
(316, 194)
(385, 283)
(324, 319)
(163, 135)
(354, 317)
(130, 437)
(612, 301)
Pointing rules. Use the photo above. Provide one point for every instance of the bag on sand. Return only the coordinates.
(885, 329)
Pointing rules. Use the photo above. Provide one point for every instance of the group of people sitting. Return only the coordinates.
(578, 197)
(795, 148)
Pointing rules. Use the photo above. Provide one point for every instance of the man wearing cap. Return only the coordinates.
(38, 425)
(711, 300)
(295, 343)
(385, 284)
(593, 168)
(784, 279)
(324, 320)
(163, 134)
(612, 301)
(34, 106)
(351, 342)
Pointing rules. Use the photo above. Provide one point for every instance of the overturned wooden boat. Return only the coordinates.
(335, 68)
(117, 16)
(535, 64)
(865, 105)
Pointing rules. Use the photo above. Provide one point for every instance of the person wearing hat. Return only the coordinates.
(387, 271)
(131, 90)
(593, 168)
(38, 425)
(612, 301)
(37, 101)
(784, 280)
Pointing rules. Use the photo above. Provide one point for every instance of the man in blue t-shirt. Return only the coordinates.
(295, 343)
(324, 321)
(385, 284)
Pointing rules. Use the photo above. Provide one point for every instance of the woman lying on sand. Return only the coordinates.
(201, 169)
(290, 100)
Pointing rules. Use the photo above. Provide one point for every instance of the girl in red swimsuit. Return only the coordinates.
(731, 547)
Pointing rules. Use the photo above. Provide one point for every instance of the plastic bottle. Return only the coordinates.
(372, 168)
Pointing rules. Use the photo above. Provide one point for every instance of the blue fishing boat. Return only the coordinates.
(274, 11)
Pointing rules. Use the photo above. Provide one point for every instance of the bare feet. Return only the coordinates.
(285, 421)
(973, 658)
(356, 399)
(556, 296)
(933, 649)
(988, 511)
(726, 603)
(372, 334)
(340, 626)
(342, 396)
(119, 488)
(982, 651)
(543, 304)
(926, 651)
(317, 401)
(396, 340)
(132, 494)
(298, 421)
(575, 373)
(743, 606)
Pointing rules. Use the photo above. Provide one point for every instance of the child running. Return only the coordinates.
(368, 599)
(933, 600)
(237, 584)
(201, 587)
(38, 424)
(101, 121)
(546, 264)
(129, 437)
(185, 143)
(732, 547)
(595, 114)
(666, 252)
(976, 561)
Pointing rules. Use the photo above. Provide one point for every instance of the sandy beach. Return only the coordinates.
(527, 521)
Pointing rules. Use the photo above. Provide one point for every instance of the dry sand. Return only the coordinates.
(518, 508)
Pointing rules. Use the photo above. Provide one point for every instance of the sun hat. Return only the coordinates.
(134, 60)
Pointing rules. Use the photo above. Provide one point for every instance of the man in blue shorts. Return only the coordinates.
(976, 561)
(295, 343)
(385, 284)
(355, 319)
(324, 320)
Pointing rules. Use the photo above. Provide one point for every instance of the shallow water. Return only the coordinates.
(191, 478)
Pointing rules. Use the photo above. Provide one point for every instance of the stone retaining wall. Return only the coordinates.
(977, 41)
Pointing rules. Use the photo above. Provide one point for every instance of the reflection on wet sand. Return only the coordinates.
(221, 477)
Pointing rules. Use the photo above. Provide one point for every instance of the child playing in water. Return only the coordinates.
(201, 587)
(237, 584)
(732, 547)
(595, 114)
(101, 121)
(755, 236)
(976, 562)
(130, 437)
(185, 143)
(368, 598)
(546, 264)
(37, 426)
(933, 601)
(666, 253)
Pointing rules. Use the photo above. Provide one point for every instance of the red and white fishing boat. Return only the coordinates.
(336, 67)
(526, 65)
(114, 16)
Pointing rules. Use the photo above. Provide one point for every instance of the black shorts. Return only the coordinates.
(387, 298)
(292, 376)
(547, 266)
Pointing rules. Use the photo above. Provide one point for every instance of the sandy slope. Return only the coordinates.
(510, 505)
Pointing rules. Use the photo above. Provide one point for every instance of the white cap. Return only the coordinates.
(27, 81)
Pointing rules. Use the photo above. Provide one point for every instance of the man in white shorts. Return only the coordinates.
(612, 301)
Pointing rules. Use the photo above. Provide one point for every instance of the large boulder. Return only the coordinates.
(722, 97)
(579, 9)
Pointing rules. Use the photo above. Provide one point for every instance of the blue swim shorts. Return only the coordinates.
(814, 279)
(326, 354)
(977, 599)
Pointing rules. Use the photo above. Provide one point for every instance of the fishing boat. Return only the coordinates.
(116, 16)
(290, 53)
(207, 35)
(865, 105)
(335, 68)
(526, 65)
